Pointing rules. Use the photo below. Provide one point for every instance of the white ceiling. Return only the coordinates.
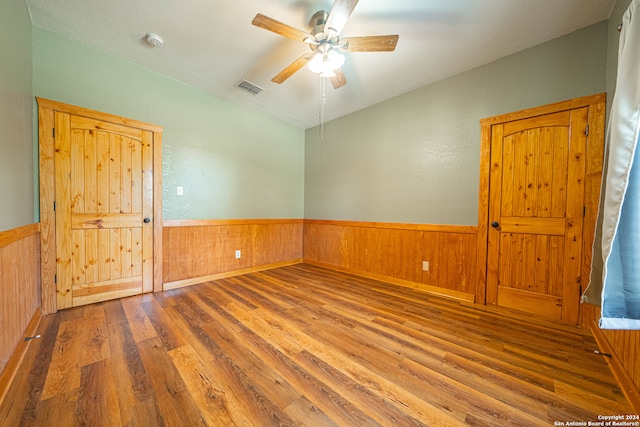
(212, 45)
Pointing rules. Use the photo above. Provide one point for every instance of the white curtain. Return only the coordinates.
(621, 203)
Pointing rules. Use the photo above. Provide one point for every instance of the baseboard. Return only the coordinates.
(625, 382)
(9, 372)
(226, 274)
(433, 290)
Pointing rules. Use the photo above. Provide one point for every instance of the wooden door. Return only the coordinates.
(104, 195)
(100, 178)
(536, 209)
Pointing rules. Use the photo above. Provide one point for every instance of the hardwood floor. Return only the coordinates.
(302, 345)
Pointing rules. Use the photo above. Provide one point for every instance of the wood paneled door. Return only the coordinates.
(536, 212)
(104, 210)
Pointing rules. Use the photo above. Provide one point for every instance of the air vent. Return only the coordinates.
(249, 87)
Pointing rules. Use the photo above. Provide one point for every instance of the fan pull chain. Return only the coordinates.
(323, 101)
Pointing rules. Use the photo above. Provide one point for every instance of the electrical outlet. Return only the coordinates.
(425, 265)
(238, 253)
(179, 191)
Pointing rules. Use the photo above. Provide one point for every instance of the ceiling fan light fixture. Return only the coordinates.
(315, 64)
(335, 59)
(325, 42)
(328, 73)
(325, 63)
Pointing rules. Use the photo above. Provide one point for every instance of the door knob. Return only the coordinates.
(147, 220)
(495, 224)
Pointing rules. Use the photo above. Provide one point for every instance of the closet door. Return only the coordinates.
(536, 209)
(100, 206)
(104, 195)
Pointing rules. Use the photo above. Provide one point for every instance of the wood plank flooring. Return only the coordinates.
(302, 345)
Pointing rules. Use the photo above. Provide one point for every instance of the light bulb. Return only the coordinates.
(325, 63)
(335, 59)
(315, 65)
(328, 72)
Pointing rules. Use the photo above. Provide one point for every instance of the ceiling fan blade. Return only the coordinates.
(339, 15)
(338, 80)
(292, 68)
(278, 27)
(372, 43)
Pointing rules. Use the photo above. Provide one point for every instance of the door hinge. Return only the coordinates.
(53, 132)
(586, 131)
(55, 279)
(54, 205)
(584, 211)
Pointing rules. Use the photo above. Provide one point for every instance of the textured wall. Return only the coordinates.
(415, 158)
(16, 115)
(231, 162)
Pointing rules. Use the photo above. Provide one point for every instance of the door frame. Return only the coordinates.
(46, 151)
(594, 163)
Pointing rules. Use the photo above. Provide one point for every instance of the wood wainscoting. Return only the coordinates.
(196, 251)
(623, 347)
(395, 253)
(19, 296)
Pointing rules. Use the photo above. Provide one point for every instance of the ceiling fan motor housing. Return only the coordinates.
(318, 19)
(322, 39)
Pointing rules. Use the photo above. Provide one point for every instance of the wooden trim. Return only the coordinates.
(8, 237)
(157, 211)
(483, 215)
(571, 104)
(46, 142)
(98, 115)
(10, 369)
(215, 222)
(495, 197)
(593, 181)
(433, 290)
(227, 274)
(46, 153)
(463, 229)
(625, 381)
(62, 197)
(575, 213)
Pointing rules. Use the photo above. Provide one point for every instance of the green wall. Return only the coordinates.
(231, 162)
(16, 117)
(415, 158)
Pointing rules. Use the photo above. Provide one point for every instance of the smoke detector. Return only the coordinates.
(154, 39)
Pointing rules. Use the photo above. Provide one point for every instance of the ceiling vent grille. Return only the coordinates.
(249, 87)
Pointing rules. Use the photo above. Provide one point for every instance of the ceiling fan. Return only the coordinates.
(325, 42)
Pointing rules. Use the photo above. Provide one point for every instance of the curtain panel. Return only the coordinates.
(620, 205)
